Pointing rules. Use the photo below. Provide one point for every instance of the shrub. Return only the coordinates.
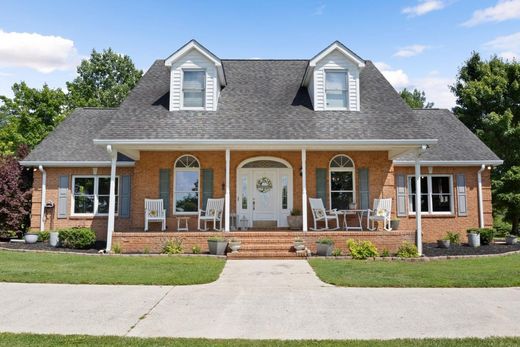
(77, 237)
(362, 249)
(453, 237)
(216, 238)
(146, 250)
(486, 236)
(385, 253)
(296, 212)
(7, 234)
(117, 248)
(407, 250)
(195, 250)
(43, 236)
(325, 241)
(336, 252)
(502, 228)
(173, 246)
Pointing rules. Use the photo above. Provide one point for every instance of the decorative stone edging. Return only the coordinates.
(421, 259)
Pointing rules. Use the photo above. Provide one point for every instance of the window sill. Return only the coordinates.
(193, 109)
(434, 215)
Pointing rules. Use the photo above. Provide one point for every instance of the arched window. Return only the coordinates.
(342, 186)
(186, 187)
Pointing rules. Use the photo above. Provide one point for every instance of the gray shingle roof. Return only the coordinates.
(263, 100)
(456, 141)
(72, 140)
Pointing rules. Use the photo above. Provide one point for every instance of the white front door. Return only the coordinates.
(265, 203)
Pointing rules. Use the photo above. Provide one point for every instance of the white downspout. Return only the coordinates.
(480, 204)
(112, 197)
(44, 192)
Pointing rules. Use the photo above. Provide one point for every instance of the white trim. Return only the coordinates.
(480, 202)
(227, 198)
(342, 169)
(185, 169)
(43, 197)
(96, 194)
(65, 163)
(449, 162)
(429, 194)
(304, 189)
(252, 159)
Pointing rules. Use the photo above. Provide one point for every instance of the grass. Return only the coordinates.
(501, 271)
(79, 269)
(13, 340)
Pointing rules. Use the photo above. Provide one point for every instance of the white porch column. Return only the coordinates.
(418, 204)
(480, 204)
(43, 198)
(304, 189)
(112, 197)
(227, 199)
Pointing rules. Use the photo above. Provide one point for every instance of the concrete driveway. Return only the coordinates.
(260, 299)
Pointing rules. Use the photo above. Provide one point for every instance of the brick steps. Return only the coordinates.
(263, 255)
(266, 247)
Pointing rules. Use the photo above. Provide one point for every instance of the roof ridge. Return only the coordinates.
(267, 59)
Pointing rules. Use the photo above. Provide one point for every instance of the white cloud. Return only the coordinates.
(35, 51)
(502, 11)
(437, 89)
(423, 7)
(410, 51)
(5, 74)
(396, 77)
(507, 46)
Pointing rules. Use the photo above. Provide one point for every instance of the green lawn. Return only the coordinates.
(13, 340)
(73, 268)
(475, 272)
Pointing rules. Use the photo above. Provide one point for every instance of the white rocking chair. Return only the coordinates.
(212, 213)
(154, 212)
(320, 214)
(382, 211)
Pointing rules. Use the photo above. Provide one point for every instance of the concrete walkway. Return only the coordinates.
(259, 300)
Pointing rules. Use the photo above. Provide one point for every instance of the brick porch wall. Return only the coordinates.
(145, 184)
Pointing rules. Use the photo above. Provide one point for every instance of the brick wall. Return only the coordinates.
(145, 184)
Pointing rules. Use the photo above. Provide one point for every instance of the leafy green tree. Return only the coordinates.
(104, 80)
(488, 102)
(29, 115)
(415, 98)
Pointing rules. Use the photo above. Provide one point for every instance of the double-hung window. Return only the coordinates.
(341, 180)
(91, 194)
(336, 89)
(436, 194)
(186, 186)
(193, 88)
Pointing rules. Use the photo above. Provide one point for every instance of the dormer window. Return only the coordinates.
(336, 90)
(194, 88)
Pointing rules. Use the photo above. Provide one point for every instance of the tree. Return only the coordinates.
(29, 116)
(415, 98)
(488, 102)
(15, 194)
(104, 80)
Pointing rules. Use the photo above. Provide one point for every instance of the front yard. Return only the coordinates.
(13, 340)
(503, 271)
(82, 269)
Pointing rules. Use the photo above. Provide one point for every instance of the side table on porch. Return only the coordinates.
(182, 223)
(358, 213)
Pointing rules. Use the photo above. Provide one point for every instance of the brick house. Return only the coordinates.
(197, 126)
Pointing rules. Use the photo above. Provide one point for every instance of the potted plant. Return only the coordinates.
(54, 238)
(299, 244)
(234, 244)
(30, 237)
(511, 239)
(351, 205)
(474, 237)
(444, 242)
(217, 245)
(394, 224)
(295, 219)
(324, 247)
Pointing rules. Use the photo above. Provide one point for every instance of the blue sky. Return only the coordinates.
(415, 43)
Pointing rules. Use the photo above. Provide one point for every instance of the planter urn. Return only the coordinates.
(295, 222)
(235, 246)
(31, 237)
(299, 245)
(443, 243)
(217, 247)
(511, 240)
(324, 249)
(473, 240)
(54, 238)
(394, 224)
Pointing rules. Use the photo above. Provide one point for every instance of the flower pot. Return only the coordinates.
(511, 240)
(54, 238)
(31, 237)
(217, 247)
(299, 245)
(235, 246)
(394, 224)
(443, 243)
(295, 222)
(324, 249)
(473, 240)
(351, 206)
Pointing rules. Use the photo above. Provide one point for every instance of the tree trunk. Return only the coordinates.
(514, 226)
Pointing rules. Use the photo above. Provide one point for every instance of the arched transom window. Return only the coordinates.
(186, 189)
(342, 185)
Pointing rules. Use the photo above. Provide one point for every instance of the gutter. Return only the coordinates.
(480, 203)
(57, 163)
(43, 197)
(449, 162)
